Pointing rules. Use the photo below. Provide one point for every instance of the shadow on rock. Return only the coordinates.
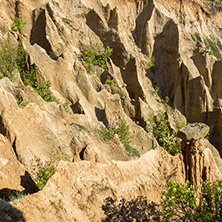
(139, 209)
(9, 213)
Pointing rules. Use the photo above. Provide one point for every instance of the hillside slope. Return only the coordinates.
(160, 57)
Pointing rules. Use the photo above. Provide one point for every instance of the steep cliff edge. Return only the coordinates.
(164, 57)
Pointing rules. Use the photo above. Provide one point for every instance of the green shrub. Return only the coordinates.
(49, 167)
(157, 91)
(167, 99)
(111, 83)
(43, 90)
(180, 202)
(22, 103)
(66, 106)
(8, 61)
(123, 133)
(161, 131)
(213, 47)
(18, 24)
(14, 57)
(122, 130)
(93, 56)
(196, 37)
(67, 21)
(151, 62)
(44, 175)
(105, 133)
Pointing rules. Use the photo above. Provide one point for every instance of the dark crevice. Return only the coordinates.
(101, 116)
(77, 108)
(204, 174)
(2, 127)
(81, 154)
(14, 148)
(26, 182)
(38, 32)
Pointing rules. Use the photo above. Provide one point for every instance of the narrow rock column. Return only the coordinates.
(192, 149)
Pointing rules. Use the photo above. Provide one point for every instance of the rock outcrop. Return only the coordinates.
(166, 58)
(198, 159)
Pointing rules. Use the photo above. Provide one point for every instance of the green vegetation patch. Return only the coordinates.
(93, 55)
(122, 130)
(131, 150)
(14, 58)
(44, 175)
(16, 195)
(160, 128)
(213, 46)
(180, 202)
(49, 167)
(111, 83)
(151, 62)
(81, 127)
(18, 24)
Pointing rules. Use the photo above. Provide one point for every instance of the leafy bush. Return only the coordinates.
(157, 91)
(111, 83)
(18, 24)
(123, 133)
(43, 90)
(44, 175)
(196, 37)
(93, 56)
(53, 55)
(105, 133)
(22, 103)
(213, 47)
(49, 167)
(67, 108)
(122, 130)
(14, 57)
(151, 62)
(8, 61)
(180, 202)
(167, 99)
(161, 131)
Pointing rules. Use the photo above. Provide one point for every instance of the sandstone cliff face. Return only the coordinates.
(187, 71)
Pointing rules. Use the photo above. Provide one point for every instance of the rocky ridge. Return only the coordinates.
(186, 71)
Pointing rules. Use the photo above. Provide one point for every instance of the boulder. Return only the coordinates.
(193, 131)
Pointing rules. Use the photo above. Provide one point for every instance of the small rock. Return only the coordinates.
(193, 131)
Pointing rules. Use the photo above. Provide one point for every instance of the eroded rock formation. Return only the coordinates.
(186, 74)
